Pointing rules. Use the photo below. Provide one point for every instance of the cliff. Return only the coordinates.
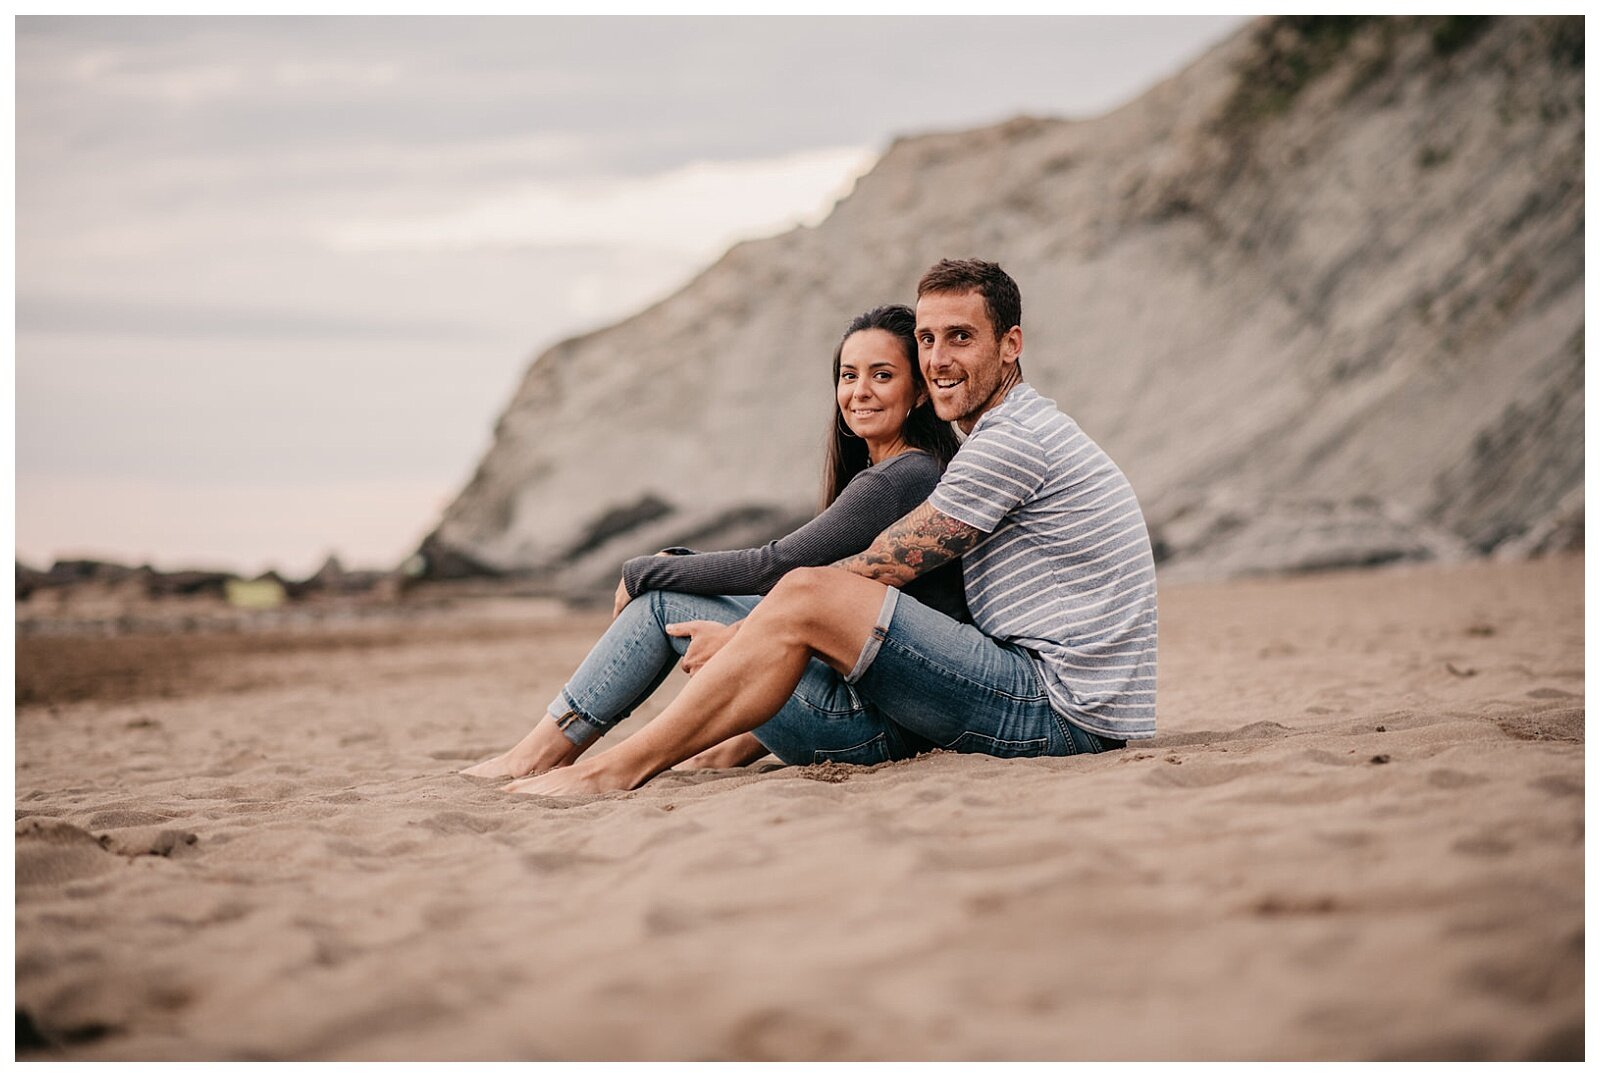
(1320, 295)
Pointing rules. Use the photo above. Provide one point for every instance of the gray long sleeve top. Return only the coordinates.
(870, 502)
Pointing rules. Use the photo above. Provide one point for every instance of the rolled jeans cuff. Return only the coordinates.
(579, 728)
(880, 632)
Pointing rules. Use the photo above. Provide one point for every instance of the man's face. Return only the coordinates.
(965, 367)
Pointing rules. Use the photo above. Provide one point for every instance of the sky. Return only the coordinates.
(276, 278)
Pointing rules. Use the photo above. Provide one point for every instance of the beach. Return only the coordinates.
(1359, 834)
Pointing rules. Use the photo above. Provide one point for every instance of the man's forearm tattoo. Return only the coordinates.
(917, 543)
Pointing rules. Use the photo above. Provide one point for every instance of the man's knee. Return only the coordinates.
(806, 588)
(804, 597)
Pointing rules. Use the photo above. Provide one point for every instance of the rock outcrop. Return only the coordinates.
(1320, 295)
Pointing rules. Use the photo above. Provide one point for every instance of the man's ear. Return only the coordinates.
(1011, 345)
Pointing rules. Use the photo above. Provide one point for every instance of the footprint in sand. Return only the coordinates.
(1253, 731)
(1348, 758)
(460, 822)
(1529, 983)
(1485, 845)
(1445, 778)
(234, 764)
(1348, 839)
(1552, 693)
(1554, 723)
(120, 817)
(51, 852)
(769, 1035)
(1197, 775)
(550, 861)
(35, 1034)
(1273, 906)
(1558, 785)
(149, 841)
(451, 754)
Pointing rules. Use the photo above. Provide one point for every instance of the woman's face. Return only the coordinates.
(876, 389)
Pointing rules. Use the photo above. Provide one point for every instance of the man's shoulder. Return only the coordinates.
(1028, 418)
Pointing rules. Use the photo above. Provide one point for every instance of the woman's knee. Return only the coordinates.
(651, 602)
(676, 607)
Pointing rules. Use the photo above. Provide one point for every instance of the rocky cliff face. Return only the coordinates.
(1320, 295)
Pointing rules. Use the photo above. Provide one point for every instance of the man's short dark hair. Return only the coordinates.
(1001, 297)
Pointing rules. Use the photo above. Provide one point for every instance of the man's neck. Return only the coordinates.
(996, 398)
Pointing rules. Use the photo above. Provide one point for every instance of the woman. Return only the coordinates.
(886, 452)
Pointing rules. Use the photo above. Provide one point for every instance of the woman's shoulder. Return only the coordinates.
(913, 463)
(910, 475)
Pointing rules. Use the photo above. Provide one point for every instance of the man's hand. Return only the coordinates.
(920, 541)
(706, 638)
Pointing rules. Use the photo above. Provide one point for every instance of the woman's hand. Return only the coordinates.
(623, 598)
(706, 638)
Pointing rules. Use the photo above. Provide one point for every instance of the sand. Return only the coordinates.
(1359, 835)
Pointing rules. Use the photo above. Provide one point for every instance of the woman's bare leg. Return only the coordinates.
(544, 748)
(734, 752)
(621, 670)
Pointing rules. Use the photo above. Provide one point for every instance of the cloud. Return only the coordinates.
(699, 208)
(56, 314)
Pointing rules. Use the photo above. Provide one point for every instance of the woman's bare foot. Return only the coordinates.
(738, 751)
(545, 748)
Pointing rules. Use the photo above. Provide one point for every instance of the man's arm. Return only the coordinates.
(918, 542)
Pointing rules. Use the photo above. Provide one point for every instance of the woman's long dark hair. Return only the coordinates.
(847, 454)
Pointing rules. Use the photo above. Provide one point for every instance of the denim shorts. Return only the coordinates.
(924, 682)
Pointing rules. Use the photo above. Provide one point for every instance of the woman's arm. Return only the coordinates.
(871, 502)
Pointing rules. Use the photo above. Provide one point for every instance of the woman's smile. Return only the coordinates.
(877, 390)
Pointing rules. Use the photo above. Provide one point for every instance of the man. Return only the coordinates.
(837, 664)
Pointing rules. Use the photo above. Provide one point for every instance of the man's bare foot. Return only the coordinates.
(589, 776)
(734, 752)
(544, 748)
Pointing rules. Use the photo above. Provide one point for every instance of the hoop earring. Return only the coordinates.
(838, 422)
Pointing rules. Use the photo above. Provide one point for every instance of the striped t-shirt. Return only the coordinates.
(1066, 569)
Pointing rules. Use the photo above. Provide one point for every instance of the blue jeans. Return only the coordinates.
(633, 657)
(922, 682)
